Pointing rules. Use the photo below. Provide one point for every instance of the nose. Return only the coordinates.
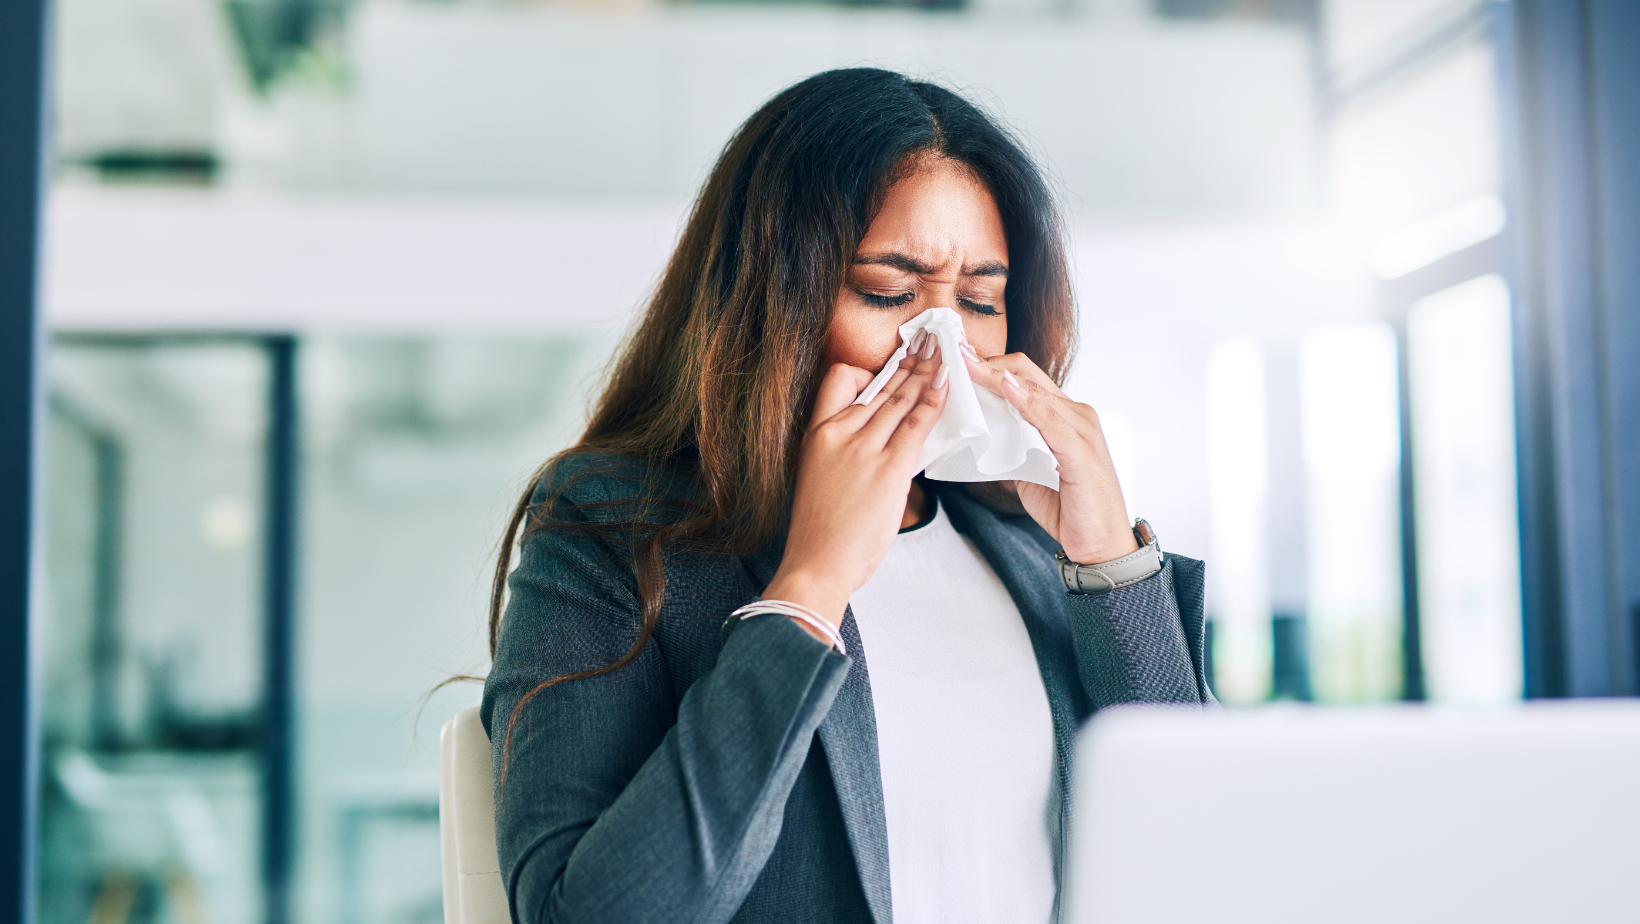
(940, 292)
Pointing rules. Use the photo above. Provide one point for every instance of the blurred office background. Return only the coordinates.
(326, 279)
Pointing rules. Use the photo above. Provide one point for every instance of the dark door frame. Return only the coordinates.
(22, 142)
(1571, 108)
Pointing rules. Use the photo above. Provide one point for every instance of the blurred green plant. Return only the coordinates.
(276, 37)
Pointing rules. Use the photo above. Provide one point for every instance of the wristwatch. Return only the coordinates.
(1111, 575)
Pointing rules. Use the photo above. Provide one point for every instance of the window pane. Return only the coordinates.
(414, 451)
(1352, 459)
(1237, 475)
(1464, 461)
(149, 790)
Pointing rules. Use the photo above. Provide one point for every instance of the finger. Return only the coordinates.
(893, 383)
(988, 373)
(907, 364)
(839, 387)
(857, 415)
(1066, 425)
(1025, 367)
(908, 438)
(918, 379)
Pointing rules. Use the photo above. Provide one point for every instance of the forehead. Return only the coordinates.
(938, 212)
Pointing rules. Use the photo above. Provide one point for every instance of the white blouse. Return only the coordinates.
(964, 735)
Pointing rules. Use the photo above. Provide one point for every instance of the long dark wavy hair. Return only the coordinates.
(716, 382)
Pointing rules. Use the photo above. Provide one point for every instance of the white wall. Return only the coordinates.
(142, 259)
(1136, 116)
(1131, 115)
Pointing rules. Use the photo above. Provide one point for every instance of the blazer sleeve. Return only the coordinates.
(616, 802)
(1145, 643)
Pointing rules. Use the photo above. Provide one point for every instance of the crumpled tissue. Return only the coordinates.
(979, 436)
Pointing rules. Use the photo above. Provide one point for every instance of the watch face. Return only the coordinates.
(1142, 530)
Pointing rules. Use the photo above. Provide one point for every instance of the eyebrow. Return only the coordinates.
(910, 265)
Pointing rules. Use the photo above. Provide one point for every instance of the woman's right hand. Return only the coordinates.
(854, 479)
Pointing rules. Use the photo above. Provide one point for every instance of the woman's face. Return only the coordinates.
(937, 242)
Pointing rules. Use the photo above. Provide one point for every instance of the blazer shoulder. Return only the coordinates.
(600, 487)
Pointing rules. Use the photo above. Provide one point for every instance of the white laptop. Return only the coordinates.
(1400, 814)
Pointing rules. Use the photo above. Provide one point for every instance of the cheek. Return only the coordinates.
(861, 337)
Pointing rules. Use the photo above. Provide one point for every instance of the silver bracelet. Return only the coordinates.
(795, 611)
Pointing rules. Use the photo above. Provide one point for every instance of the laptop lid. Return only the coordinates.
(1406, 814)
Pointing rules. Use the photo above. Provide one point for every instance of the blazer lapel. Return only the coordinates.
(848, 735)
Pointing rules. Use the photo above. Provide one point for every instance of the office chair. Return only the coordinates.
(473, 891)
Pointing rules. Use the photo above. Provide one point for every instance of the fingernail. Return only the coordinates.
(916, 341)
(1009, 378)
(941, 376)
(969, 351)
(928, 346)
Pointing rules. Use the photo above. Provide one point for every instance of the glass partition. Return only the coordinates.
(414, 451)
(1463, 425)
(150, 790)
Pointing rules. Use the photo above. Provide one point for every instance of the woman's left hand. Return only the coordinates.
(1087, 514)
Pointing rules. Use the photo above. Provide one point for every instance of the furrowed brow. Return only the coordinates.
(897, 260)
(988, 269)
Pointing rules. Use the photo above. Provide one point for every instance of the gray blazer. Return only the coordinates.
(735, 778)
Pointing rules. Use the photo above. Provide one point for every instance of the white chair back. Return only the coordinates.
(473, 891)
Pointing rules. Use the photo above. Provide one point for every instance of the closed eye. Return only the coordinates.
(978, 308)
(886, 301)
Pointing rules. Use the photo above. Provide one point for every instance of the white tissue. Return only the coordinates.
(979, 436)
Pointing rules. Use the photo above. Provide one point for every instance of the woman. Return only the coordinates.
(665, 752)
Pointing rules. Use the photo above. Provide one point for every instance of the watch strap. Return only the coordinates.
(1114, 575)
